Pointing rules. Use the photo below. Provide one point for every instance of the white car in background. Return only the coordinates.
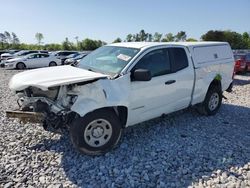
(34, 60)
(10, 55)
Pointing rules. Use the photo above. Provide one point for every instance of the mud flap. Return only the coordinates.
(230, 88)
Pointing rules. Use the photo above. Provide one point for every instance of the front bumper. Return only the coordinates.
(25, 117)
(9, 66)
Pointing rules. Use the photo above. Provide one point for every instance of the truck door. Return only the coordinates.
(169, 89)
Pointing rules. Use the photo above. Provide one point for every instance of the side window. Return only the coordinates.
(69, 53)
(44, 55)
(157, 62)
(178, 59)
(32, 56)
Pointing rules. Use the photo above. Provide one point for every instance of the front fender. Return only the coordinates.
(100, 94)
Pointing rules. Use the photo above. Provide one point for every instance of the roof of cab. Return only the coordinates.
(140, 45)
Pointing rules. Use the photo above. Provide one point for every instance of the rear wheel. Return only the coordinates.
(20, 66)
(212, 102)
(52, 64)
(97, 132)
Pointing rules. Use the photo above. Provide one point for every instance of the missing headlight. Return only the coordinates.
(52, 93)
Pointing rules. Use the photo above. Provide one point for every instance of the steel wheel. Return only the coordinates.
(98, 133)
(214, 101)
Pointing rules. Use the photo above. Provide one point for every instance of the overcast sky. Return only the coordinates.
(109, 19)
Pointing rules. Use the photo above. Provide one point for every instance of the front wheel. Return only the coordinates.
(20, 66)
(96, 133)
(212, 102)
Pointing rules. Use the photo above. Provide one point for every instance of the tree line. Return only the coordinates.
(9, 40)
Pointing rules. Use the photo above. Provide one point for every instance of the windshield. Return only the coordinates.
(108, 59)
(20, 52)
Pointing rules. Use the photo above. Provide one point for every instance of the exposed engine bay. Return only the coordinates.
(51, 107)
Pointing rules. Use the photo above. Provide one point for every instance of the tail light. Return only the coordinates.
(238, 63)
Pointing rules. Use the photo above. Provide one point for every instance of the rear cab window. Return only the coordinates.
(178, 58)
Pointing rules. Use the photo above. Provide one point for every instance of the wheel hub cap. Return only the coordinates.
(98, 133)
(214, 101)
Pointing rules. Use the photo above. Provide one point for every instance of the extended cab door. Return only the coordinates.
(169, 89)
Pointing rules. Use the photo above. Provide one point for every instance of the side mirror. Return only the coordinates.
(141, 75)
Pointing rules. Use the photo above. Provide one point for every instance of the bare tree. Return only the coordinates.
(39, 38)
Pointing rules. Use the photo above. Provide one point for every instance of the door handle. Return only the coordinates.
(170, 82)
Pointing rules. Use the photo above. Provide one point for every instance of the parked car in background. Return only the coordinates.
(121, 85)
(71, 56)
(63, 54)
(3, 52)
(7, 53)
(21, 53)
(240, 63)
(7, 56)
(74, 61)
(248, 61)
(34, 60)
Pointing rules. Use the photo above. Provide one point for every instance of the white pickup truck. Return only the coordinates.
(123, 84)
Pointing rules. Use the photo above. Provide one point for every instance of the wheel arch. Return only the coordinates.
(203, 85)
(216, 82)
(22, 63)
(53, 62)
(120, 111)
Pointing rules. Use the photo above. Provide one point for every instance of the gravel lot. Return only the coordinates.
(183, 149)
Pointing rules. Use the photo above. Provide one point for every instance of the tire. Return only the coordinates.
(20, 66)
(96, 133)
(212, 102)
(52, 64)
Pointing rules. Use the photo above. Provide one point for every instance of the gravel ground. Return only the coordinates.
(182, 149)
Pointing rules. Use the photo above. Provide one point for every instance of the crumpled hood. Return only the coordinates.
(44, 78)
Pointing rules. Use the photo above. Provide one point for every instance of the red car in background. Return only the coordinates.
(240, 63)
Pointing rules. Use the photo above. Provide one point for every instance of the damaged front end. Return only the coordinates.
(51, 108)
